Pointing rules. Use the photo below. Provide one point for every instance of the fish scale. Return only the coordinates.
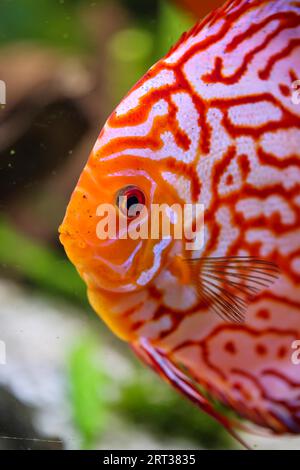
(213, 122)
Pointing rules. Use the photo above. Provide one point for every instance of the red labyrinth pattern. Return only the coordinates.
(215, 122)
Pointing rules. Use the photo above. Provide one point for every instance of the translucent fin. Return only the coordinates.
(227, 284)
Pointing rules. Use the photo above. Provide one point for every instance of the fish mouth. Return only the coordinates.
(75, 247)
(97, 271)
(66, 236)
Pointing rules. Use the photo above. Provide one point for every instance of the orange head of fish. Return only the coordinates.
(118, 251)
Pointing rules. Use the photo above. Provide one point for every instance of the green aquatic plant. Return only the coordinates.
(142, 400)
(38, 264)
(88, 383)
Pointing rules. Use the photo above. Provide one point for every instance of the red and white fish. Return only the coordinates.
(214, 122)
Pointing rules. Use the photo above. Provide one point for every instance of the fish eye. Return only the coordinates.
(128, 199)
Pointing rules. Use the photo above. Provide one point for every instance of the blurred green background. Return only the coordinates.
(67, 382)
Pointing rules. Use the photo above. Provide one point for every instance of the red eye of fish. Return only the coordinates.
(128, 199)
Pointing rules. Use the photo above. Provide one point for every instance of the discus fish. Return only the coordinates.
(216, 122)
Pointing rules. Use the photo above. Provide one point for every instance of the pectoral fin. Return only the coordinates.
(227, 284)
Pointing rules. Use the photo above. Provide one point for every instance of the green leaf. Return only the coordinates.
(88, 391)
(39, 264)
